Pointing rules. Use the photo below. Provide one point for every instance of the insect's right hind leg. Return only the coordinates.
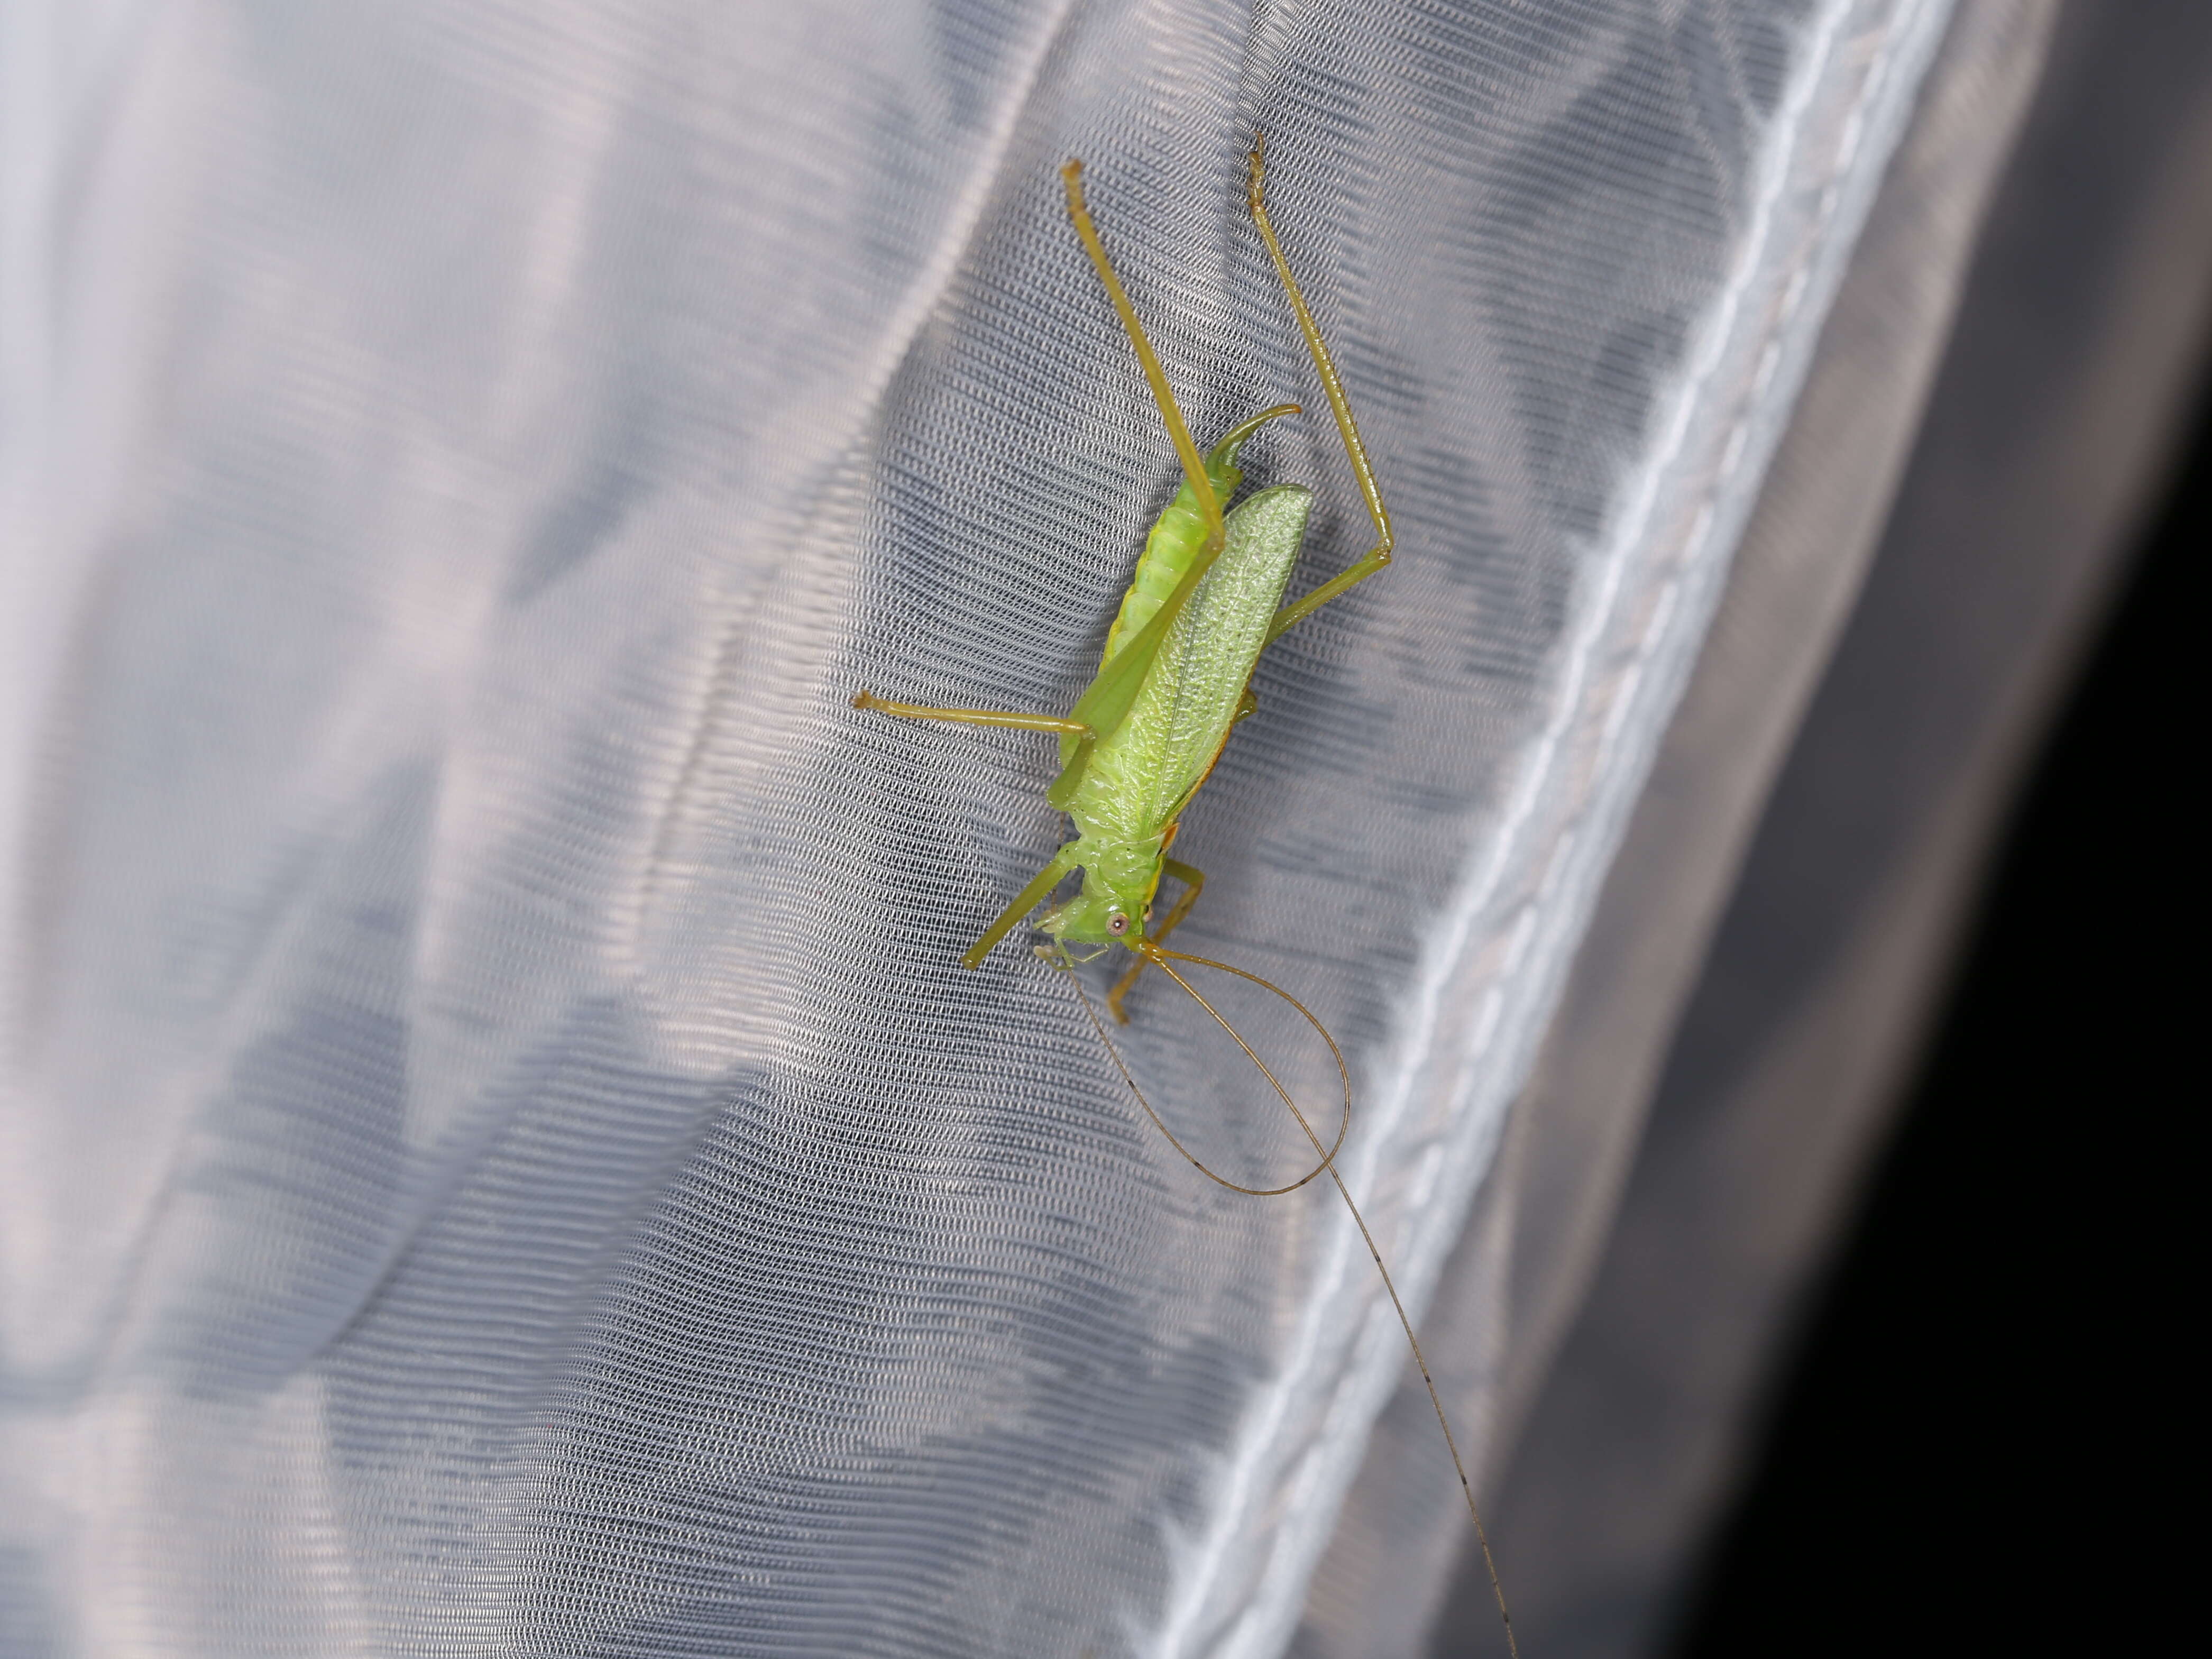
(1112, 694)
(1193, 470)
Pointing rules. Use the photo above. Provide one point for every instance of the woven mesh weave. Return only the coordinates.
(501, 1158)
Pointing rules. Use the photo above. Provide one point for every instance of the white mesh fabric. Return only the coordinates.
(501, 1157)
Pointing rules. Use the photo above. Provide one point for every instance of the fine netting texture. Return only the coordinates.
(502, 1158)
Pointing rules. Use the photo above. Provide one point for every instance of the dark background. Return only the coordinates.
(1964, 1446)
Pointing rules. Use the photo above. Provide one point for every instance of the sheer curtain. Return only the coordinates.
(500, 1155)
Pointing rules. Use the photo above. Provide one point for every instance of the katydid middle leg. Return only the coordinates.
(1193, 881)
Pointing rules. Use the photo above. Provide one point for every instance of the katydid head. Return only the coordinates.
(1119, 878)
(1096, 915)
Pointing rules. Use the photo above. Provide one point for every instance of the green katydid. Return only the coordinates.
(1175, 678)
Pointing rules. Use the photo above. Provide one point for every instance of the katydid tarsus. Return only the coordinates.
(1175, 678)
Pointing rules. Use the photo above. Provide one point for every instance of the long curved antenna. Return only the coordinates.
(1160, 958)
(1342, 1129)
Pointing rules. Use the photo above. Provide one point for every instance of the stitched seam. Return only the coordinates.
(1336, 1415)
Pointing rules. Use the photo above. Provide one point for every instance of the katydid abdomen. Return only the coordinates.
(1177, 539)
(1177, 536)
(1143, 771)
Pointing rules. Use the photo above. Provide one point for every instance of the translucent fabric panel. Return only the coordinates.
(2048, 436)
(501, 1156)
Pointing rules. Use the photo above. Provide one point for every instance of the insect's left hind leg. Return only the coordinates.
(1325, 366)
(1193, 881)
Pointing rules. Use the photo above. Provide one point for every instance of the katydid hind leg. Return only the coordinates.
(1338, 405)
(1193, 881)
(1209, 504)
(1102, 707)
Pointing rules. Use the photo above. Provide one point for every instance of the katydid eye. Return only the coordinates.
(1117, 923)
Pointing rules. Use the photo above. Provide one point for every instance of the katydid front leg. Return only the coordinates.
(1041, 885)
